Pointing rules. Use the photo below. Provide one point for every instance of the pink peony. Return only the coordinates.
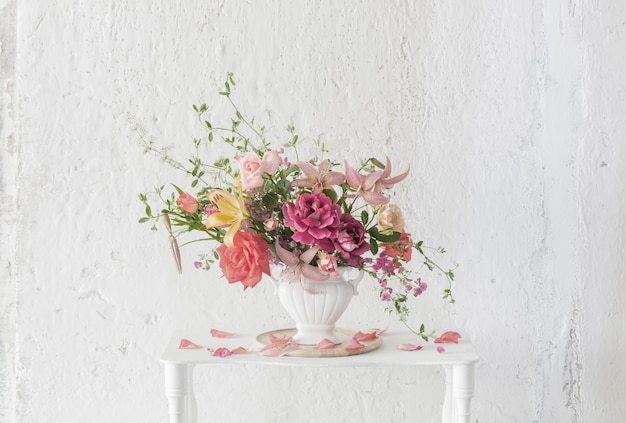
(246, 260)
(314, 217)
(350, 240)
(187, 203)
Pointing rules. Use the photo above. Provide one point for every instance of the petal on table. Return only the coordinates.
(409, 347)
(354, 345)
(325, 344)
(186, 344)
(448, 337)
(216, 333)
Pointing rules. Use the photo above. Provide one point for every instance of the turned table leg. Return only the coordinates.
(179, 392)
(447, 412)
(462, 390)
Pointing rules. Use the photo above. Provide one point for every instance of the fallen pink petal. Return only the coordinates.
(354, 345)
(360, 336)
(409, 347)
(379, 331)
(239, 350)
(280, 339)
(278, 350)
(221, 352)
(440, 349)
(325, 344)
(220, 334)
(448, 337)
(186, 344)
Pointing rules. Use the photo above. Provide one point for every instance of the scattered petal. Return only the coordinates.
(220, 334)
(186, 344)
(325, 344)
(280, 339)
(278, 350)
(225, 352)
(354, 345)
(448, 337)
(360, 336)
(380, 331)
(440, 349)
(409, 347)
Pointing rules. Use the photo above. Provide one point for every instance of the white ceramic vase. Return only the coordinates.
(316, 306)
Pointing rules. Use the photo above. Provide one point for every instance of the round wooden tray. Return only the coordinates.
(344, 335)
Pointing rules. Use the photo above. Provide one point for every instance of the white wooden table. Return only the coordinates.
(458, 362)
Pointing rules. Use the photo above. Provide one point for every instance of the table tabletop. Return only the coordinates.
(387, 354)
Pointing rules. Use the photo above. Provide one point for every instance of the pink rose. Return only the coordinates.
(349, 242)
(252, 168)
(246, 260)
(328, 264)
(187, 203)
(271, 161)
(313, 216)
(251, 171)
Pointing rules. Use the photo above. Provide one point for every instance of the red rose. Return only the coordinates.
(246, 260)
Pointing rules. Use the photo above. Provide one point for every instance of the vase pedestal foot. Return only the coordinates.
(312, 334)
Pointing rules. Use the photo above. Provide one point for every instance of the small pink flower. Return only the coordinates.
(328, 263)
(270, 224)
(441, 349)
(187, 203)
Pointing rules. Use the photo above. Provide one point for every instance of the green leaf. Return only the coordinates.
(330, 193)
(180, 191)
(373, 246)
(144, 219)
(270, 200)
(148, 210)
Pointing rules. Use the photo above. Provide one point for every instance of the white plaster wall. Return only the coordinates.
(511, 115)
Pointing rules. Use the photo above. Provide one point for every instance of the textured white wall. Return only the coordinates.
(511, 115)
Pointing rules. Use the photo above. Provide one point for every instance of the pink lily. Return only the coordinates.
(298, 267)
(318, 179)
(386, 181)
(370, 187)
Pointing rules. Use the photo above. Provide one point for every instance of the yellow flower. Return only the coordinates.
(229, 214)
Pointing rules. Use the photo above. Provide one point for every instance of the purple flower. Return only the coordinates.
(350, 241)
(313, 217)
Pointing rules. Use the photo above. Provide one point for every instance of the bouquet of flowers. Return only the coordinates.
(260, 207)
